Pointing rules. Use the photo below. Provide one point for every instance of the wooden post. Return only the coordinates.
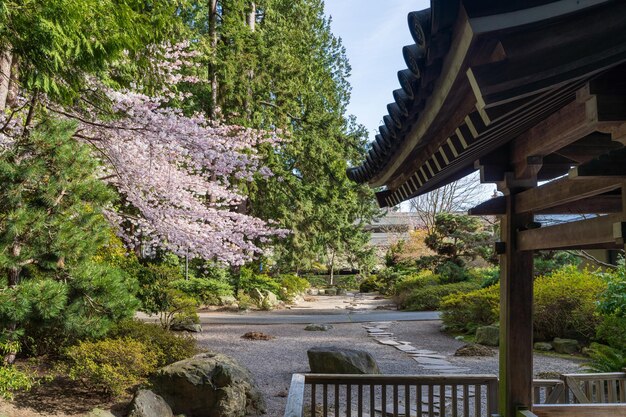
(516, 304)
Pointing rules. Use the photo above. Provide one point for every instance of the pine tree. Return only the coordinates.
(51, 225)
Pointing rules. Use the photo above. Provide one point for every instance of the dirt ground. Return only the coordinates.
(272, 362)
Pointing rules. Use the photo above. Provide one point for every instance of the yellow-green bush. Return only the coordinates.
(292, 285)
(407, 284)
(429, 297)
(466, 311)
(13, 379)
(111, 365)
(169, 347)
(565, 304)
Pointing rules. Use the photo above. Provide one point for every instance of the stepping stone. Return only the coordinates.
(388, 342)
(405, 348)
(430, 361)
(378, 334)
(421, 355)
(425, 352)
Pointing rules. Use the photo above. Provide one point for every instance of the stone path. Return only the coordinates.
(427, 359)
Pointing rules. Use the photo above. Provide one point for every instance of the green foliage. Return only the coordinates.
(429, 298)
(51, 228)
(248, 280)
(13, 379)
(606, 359)
(292, 285)
(204, 290)
(169, 347)
(154, 280)
(613, 299)
(370, 284)
(387, 279)
(612, 331)
(565, 304)
(465, 312)
(410, 282)
(111, 366)
(546, 262)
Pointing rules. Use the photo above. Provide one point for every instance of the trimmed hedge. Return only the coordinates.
(465, 312)
(429, 297)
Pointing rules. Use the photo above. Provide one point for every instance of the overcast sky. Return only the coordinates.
(373, 32)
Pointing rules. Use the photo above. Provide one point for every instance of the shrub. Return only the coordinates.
(565, 304)
(317, 281)
(429, 297)
(450, 272)
(111, 365)
(405, 285)
(292, 285)
(606, 359)
(387, 279)
(466, 311)
(248, 280)
(612, 331)
(168, 346)
(204, 290)
(12, 379)
(348, 282)
(369, 284)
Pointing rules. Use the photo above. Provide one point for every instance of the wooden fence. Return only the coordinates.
(321, 395)
(574, 395)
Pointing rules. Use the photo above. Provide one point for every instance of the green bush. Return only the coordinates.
(205, 291)
(292, 285)
(169, 347)
(606, 359)
(111, 365)
(387, 279)
(612, 331)
(429, 297)
(466, 311)
(565, 304)
(13, 379)
(369, 284)
(248, 281)
(348, 282)
(450, 272)
(405, 285)
(317, 281)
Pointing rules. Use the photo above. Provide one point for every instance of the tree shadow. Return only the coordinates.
(62, 395)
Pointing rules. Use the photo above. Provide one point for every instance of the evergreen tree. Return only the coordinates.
(51, 225)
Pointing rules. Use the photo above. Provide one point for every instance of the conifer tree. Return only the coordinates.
(51, 225)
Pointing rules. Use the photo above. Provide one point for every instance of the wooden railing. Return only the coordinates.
(321, 395)
(605, 388)
(575, 410)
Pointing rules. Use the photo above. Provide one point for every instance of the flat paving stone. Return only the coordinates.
(405, 348)
(430, 361)
(421, 355)
(388, 342)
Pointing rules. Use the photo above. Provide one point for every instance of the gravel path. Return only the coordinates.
(273, 362)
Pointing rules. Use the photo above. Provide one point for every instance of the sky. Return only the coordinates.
(373, 32)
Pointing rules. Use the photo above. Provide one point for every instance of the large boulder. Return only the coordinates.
(321, 327)
(209, 385)
(335, 360)
(147, 404)
(488, 335)
(543, 346)
(565, 345)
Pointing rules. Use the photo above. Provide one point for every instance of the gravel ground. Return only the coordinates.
(273, 362)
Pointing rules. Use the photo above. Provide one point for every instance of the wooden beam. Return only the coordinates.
(580, 410)
(611, 165)
(572, 122)
(562, 191)
(599, 204)
(516, 322)
(492, 207)
(599, 232)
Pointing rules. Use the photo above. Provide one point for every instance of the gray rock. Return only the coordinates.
(147, 404)
(227, 300)
(187, 327)
(271, 299)
(330, 291)
(488, 335)
(565, 345)
(543, 346)
(335, 360)
(313, 291)
(209, 385)
(96, 412)
(318, 327)
(256, 294)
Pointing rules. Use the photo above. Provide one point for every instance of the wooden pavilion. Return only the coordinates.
(525, 91)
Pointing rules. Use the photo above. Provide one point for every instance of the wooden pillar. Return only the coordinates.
(516, 304)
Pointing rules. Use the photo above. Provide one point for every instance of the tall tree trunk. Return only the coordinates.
(14, 86)
(251, 23)
(212, 66)
(6, 59)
